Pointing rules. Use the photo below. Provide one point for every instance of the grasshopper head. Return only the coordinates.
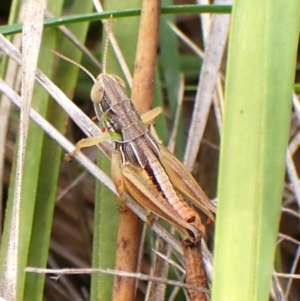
(106, 85)
(107, 94)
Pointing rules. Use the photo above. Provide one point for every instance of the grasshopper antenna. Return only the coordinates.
(108, 30)
(75, 63)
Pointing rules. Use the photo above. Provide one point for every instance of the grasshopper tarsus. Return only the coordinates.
(122, 207)
(68, 157)
(150, 220)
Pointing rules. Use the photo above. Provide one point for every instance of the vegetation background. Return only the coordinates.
(70, 220)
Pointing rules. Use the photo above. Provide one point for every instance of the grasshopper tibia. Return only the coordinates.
(87, 142)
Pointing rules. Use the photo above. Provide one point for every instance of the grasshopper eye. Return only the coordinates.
(97, 93)
(119, 81)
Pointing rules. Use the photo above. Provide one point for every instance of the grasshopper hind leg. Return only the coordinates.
(117, 178)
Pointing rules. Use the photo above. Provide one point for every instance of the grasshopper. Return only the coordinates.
(141, 166)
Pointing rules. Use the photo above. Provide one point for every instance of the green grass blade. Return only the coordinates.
(105, 236)
(262, 55)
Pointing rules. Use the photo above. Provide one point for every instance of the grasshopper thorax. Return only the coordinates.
(116, 111)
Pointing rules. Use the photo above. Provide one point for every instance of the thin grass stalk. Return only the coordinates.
(214, 50)
(170, 64)
(144, 73)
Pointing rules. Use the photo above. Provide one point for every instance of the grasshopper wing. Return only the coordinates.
(138, 185)
(184, 182)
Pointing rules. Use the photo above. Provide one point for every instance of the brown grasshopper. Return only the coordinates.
(141, 166)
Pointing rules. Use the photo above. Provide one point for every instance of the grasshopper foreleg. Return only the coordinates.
(150, 116)
(87, 142)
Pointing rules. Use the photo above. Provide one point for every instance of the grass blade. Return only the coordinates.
(257, 114)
